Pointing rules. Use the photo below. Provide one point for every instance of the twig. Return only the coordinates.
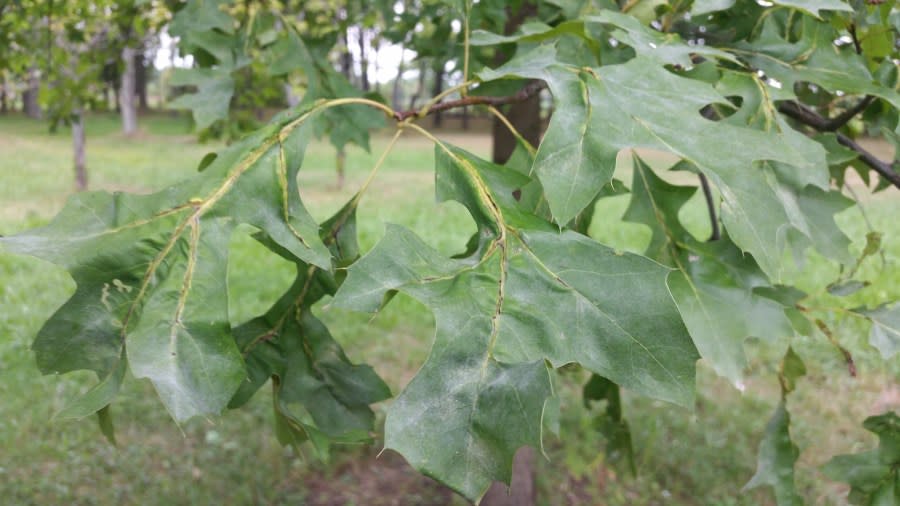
(848, 358)
(811, 118)
(520, 96)
(710, 207)
(842, 118)
(856, 44)
(710, 113)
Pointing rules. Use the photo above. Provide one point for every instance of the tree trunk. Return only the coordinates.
(438, 117)
(78, 143)
(395, 92)
(525, 117)
(346, 57)
(140, 85)
(420, 88)
(30, 95)
(4, 107)
(126, 93)
(363, 60)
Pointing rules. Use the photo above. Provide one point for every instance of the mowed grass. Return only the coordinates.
(694, 457)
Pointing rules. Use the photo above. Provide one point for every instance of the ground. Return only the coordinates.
(685, 458)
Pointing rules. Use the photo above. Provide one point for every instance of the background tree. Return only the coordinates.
(754, 101)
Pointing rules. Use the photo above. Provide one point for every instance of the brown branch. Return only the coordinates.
(520, 96)
(856, 44)
(811, 118)
(841, 119)
(710, 113)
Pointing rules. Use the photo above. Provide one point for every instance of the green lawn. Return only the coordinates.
(693, 458)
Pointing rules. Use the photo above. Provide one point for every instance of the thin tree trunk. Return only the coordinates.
(374, 52)
(438, 116)
(395, 92)
(78, 145)
(4, 107)
(127, 93)
(420, 88)
(30, 96)
(525, 116)
(346, 57)
(140, 85)
(363, 60)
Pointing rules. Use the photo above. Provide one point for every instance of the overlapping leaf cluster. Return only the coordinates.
(716, 84)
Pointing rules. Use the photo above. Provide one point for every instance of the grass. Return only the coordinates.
(691, 458)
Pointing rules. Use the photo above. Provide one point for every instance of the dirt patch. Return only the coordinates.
(375, 481)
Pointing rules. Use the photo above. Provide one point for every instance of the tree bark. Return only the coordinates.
(525, 116)
(30, 95)
(127, 93)
(438, 117)
(4, 107)
(346, 57)
(140, 67)
(363, 60)
(420, 88)
(395, 92)
(78, 145)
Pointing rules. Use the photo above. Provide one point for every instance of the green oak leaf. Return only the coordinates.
(792, 369)
(885, 333)
(665, 48)
(611, 423)
(813, 58)
(526, 295)
(532, 31)
(874, 476)
(210, 102)
(343, 125)
(641, 104)
(814, 6)
(713, 284)
(777, 454)
(151, 271)
(309, 369)
(700, 7)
